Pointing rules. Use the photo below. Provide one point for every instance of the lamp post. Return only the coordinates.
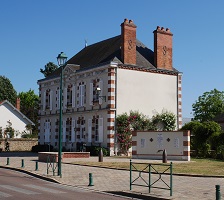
(62, 58)
(98, 92)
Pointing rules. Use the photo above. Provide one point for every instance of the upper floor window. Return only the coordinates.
(69, 95)
(47, 101)
(81, 94)
(94, 97)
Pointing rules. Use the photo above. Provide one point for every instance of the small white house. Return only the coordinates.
(12, 115)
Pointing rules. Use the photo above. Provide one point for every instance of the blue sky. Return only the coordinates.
(34, 32)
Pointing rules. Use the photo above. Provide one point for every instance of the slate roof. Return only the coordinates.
(110, 50)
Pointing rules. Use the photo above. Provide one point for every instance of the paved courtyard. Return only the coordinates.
(112, 180)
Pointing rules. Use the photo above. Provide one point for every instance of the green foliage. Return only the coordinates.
(125, 124)
(29, 106)
(166, 121)
(7, 92)
(48, 69)
(205, 136)
(94, 150)
(209, 105)
(9, 131)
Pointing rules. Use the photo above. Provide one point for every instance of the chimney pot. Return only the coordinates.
(126, 20)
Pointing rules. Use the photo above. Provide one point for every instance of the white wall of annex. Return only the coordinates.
(18, 123)
(146, 92)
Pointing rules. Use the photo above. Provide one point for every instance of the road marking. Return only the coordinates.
(16, 189)
(44, 189)
(2, 194)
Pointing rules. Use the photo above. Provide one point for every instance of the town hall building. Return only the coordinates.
(105, 80)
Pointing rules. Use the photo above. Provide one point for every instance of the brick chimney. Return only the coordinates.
(18, 103)
(128, 43)
(163, 48)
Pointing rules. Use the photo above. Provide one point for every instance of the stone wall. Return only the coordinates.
(19, 144)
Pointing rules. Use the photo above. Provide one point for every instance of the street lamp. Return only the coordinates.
(98, 92)
(62, 58)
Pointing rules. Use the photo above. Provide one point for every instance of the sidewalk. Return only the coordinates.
(112, 180)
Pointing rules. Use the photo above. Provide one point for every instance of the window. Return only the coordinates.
(69, 96)
(81, 128)
(94, 97)
(99, 129)
(69, 129)
(47, 102)
(81, 101)
(96, 130)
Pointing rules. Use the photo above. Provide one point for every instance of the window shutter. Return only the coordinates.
(64, 131)
(91, 94)
(100, 129)
(65, 97)
(51, 99)
(47, 131)
(73, 131)
(83, 94)
(101, 87)
(90, 130)
(44, 101)
(58, 98)
(73, 96)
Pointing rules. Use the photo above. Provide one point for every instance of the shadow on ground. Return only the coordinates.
(134, 195)
(18, 154)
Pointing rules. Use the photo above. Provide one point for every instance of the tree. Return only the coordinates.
(29, 106)
(48, 69)
(209, 105)
(204, 136)
(7, 91)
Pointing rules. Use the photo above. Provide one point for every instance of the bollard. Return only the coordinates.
(101, 155)
(218, 194)
(7, 161)
(164, 156)
(22, 164)
(36, 168)
(90, 179)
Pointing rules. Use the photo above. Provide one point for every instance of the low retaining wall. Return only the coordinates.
(19, 144)
(53, 156)
(76, 154)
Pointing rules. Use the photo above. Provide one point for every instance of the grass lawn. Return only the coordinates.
(195, 167)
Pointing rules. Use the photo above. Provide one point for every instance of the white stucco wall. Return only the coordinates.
(18, 122)
(75, 78)
(146, 92)
(150, 144)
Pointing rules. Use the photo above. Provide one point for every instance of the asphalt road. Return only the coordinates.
(17, 185)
